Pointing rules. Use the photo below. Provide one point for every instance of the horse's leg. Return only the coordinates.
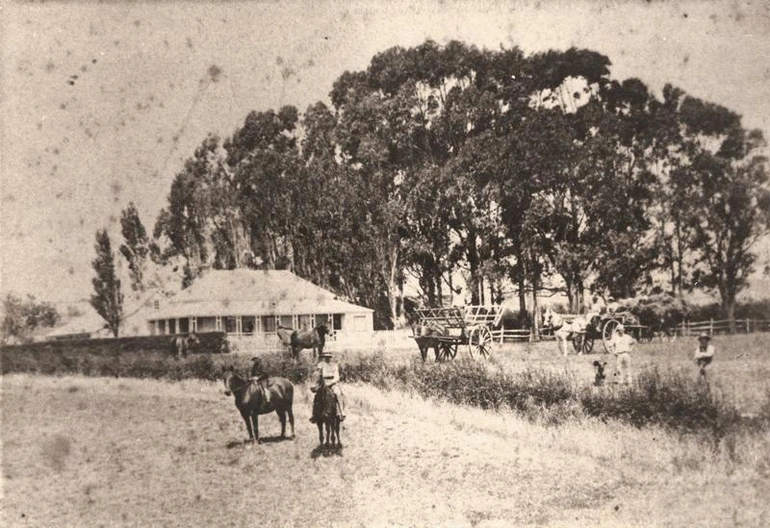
(282, 417)
(255, 419)
(320, 425)
(337, 431)
(291, 420)
(247, 419)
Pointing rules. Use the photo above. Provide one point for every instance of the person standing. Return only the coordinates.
(621, 345)
(704, 354)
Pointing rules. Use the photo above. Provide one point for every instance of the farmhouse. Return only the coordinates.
(254, 302)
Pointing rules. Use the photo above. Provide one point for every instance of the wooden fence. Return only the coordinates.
(712, 327)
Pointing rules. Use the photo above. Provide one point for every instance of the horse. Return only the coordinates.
(182, 344)
(326, 416)
(565, 330)
(251, 400)
(314, 338)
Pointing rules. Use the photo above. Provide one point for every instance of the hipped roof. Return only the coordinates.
(253, 292)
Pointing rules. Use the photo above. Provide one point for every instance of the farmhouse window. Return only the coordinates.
(337, 321)
(249, 324)
(231, 325)
(304, 321)
(268, 324)
(184, 325)
(172, 326)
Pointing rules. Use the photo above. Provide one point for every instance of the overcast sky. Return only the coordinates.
(101, 103)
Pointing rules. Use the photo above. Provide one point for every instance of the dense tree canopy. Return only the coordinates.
(446, 161)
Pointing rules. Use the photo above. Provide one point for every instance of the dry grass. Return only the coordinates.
(121, 452)
(741, 369)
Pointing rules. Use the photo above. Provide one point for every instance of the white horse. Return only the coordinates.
(565, 330)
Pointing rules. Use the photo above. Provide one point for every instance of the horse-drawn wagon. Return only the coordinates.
(445, 330)
(602, 327)
(585, 330)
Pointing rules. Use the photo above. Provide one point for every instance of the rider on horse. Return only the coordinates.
(328, 374)
(259, 376)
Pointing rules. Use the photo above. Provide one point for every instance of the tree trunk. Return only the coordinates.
(473, 263)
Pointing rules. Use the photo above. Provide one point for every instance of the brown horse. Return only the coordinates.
(251, 400)
(314, 338)
(182, 344)
(326, 416)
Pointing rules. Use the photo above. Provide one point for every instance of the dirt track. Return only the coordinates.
(91, 452)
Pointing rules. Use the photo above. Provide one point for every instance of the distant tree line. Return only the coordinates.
(441, 160)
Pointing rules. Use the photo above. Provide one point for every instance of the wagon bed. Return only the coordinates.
(445, 330)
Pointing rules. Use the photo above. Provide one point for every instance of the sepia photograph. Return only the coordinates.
(424, 263)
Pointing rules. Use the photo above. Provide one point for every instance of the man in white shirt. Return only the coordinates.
(328, 374)
(621, 345)
(704, 354)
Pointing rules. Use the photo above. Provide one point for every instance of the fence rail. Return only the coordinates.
(715, 327)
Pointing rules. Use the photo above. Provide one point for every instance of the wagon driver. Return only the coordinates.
(621, 345)
(328, 373)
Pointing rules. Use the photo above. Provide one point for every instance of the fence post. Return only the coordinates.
(748, 330)
(711, 326)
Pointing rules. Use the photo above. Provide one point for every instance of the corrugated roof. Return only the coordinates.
(252, 292)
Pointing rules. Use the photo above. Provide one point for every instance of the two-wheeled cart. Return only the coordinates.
(603, 327)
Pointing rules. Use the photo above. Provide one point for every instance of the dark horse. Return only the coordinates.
(314, 338)
(325, 407)
(182, 344)
(250, 398)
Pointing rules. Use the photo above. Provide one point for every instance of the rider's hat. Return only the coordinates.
(704, 337)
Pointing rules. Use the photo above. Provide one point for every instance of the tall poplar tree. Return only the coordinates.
(107, 299)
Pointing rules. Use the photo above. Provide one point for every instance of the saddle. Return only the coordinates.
(261, 382)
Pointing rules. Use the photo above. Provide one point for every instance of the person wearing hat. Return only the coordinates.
(259, 376)
(621, 345)
(704, 354)
(328, 374)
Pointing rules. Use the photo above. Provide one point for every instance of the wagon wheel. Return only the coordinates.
(607, 332)
(480, 342)
(588, 343)
(446, 351)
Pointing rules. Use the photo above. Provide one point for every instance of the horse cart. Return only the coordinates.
(445, 330)
(602, 327)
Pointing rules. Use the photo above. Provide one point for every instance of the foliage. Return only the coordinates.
(107, 298)
(22, 317)
(659, 312)
(443, 160)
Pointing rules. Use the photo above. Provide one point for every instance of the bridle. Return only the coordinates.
(233, 390)
(551, 316)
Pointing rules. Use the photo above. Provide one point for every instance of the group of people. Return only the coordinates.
(327, 373)
(622, 343)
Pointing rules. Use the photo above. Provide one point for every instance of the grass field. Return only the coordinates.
(123, 452)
